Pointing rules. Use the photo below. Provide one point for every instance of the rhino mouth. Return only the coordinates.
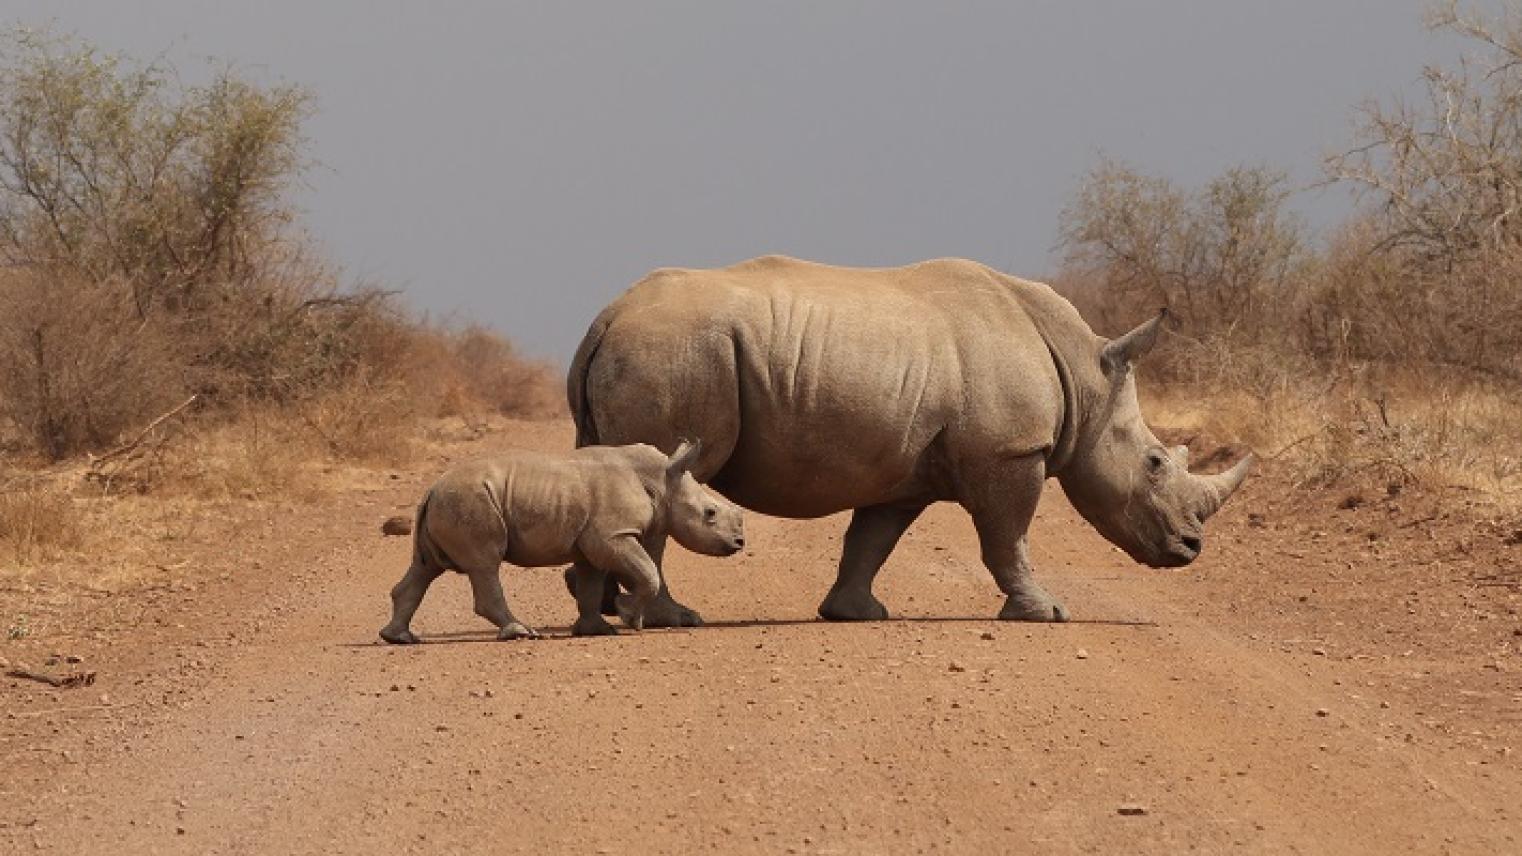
(1183, 550)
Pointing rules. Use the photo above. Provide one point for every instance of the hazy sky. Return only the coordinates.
(520, 164)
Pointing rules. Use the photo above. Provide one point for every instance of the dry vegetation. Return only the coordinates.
(167, 330)
(1388, 354)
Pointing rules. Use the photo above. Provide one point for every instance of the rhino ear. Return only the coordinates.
(685, 457)
(1121, 354)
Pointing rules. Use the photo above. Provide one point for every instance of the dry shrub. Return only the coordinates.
(76, 369)
(38, 522)
(474, 371)
(152, 252)
(363, 421)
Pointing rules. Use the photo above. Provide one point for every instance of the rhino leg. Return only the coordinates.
(486, 585)
(872, 535)
(587, 584)
(1002, 505)
(609, 590)
(662, 610)
(405, 597)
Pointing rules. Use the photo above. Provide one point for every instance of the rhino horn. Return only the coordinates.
(1219, 487)
(1119, 355)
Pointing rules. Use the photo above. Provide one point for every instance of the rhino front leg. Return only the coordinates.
(491, 605)
(663, 610)
(1002, 506)
(406, 595)
(872, 535)
(622, 555)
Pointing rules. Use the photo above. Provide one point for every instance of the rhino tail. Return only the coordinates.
(425, 553)
(578, 396)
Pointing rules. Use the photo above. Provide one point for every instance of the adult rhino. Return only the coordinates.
(817, 389)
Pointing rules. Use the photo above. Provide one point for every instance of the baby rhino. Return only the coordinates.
(596, 506)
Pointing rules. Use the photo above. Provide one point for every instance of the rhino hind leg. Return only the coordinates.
(491, 604)
(872, 535)
(1002, 507)
(406, 595)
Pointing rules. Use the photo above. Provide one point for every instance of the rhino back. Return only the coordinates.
(818, 388)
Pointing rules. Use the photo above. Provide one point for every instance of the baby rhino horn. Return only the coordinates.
(685, 457)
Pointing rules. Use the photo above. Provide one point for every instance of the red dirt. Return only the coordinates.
(1304, 687)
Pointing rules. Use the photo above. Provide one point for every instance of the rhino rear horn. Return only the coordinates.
(1123, 353)
(1220, 487)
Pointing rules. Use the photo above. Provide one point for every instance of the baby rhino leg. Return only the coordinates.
(405, 598)
(486, 585)
(624, 557)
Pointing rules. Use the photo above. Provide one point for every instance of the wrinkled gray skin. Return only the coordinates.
(818, 389)
(599, 507)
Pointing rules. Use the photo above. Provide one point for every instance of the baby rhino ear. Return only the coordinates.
(684, 458)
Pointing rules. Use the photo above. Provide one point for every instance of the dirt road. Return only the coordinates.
(256, 713)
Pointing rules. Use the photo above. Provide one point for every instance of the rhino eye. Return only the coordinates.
(710, 514)
(1155, 461)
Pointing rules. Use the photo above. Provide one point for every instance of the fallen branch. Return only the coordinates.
(97, 460)
(69, 681)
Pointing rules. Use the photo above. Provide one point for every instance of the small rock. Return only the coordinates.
(1320, 652)
(957, 667)
(987, 635)
(73, 658)
(1131, 810)
(1321, 711)
(1082, 654)
(397, 526)
(441, 728)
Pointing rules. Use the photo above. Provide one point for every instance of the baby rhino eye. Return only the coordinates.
(710, 514)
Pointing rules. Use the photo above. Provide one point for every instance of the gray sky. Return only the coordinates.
(520, 164)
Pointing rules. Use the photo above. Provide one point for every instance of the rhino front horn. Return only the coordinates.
(1220, 487)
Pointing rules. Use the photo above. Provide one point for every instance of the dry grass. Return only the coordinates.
(39, 523)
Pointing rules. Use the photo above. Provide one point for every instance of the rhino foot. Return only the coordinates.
(1033, 606)
(517, 630)
(399, 637)
(661, 612)
(594, 626)
(852, 605)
